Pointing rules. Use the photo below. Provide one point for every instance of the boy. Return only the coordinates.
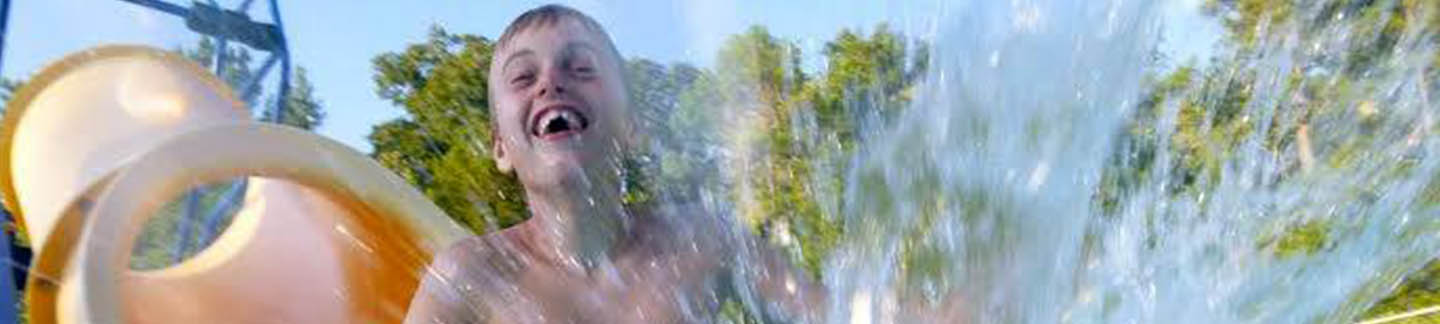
(562, 124)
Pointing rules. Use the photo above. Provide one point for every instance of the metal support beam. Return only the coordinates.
(233, 195)
(226, 25)
(221, 49)
(235, 25)
(8, 291)
(215, 21)
(191, 205)
(222, 55)
(7, 284)
(284, 50)
(212, 221)
(252, 88)
(4, 25)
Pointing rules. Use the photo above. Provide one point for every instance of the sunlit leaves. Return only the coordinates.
(442, 145)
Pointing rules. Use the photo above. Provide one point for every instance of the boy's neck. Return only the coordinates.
(575, 232)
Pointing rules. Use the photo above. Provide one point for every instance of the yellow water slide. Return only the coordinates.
(98, 142)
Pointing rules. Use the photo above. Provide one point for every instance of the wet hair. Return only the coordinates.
(551, 15)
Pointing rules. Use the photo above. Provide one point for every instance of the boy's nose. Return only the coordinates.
(553, 88)
(552, 84)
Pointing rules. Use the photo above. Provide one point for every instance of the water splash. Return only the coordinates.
(990, 163)
(994, 196)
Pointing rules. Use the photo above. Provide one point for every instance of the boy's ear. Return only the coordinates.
(501, 161)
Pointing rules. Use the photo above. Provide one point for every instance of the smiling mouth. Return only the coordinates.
(558, 121)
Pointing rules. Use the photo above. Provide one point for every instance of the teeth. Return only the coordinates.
(550, 118)
(571, 119)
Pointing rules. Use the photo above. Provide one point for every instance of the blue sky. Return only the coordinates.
(336, 39)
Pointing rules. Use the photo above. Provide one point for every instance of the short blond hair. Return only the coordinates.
(547, 16)
(550, 15)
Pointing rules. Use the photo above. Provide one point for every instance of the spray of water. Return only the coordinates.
(1046, 173)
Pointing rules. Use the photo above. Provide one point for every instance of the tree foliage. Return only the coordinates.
(799, 129)
(442, 144)
(302, 110)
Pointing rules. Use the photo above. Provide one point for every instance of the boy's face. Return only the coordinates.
(560, 104)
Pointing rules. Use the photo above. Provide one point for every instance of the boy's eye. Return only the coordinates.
(522, 79)
(581, 68)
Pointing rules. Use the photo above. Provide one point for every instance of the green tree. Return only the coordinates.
(866, 78)
(302, 108)
(237, 68)
(787, 150)
(442, 145)
(760, 77)
(864, 75)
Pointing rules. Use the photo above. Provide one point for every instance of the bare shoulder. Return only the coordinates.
(479, 257)
(459, 282)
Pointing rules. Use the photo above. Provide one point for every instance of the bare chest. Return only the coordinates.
(648, 290)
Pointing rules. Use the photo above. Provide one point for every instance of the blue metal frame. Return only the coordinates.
(227, 200)
(284, 92)
(8, 291)
(225, 25)
(192, 203)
